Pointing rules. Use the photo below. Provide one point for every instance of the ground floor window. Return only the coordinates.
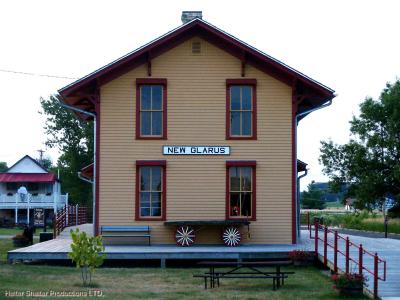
(240, 194)
(150, 190)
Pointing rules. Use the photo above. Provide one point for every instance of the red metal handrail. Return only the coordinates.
(346, 253)
(69, 216)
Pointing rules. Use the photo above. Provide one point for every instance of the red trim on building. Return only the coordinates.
(294, 162)
(251, 164)
(162, 164)
(152, 81)
(87, 171)
(151, 163)
(241, 81)
(212, 34)
(97, 187)
(27, 177)
(301, 166)
(79, 90)
(161, 81)
(241, 163)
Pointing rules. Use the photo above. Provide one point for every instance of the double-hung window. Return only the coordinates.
(151, 108)
(150, 190)
(241, 115)
(241, 190)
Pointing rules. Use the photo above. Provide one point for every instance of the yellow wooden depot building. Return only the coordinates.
(196, 138)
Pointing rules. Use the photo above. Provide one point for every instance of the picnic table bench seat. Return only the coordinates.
(126, 231)
(278, 277)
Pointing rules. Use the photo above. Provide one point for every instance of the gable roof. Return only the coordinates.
(81, 93)
(30, 158)
(27, 177)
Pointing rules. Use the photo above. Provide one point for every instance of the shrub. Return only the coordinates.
(348, 281)
(20, 240)
(300, 255)
(86, 254)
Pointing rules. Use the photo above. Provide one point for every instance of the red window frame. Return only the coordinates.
(253, 84)
(151, 81)
(251, 164)
(147, 163)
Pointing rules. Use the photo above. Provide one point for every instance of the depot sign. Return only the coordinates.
(196, 150)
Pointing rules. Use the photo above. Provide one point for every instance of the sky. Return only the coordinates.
(351, 46)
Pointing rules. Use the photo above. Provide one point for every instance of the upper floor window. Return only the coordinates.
(151, 108)
(241, 109)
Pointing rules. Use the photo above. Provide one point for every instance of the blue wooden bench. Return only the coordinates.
(126, 231)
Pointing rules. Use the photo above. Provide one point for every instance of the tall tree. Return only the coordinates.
(3, 166)
(312, 198)
(370, 162)
(74, 139)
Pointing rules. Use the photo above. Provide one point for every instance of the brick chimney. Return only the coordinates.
(188, 16)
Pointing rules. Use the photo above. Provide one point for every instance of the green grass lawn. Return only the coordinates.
(377, 224)
(5, 246)
(170, 283)
(361, 221)
(15, 230)
(335, 205)
(156, 283)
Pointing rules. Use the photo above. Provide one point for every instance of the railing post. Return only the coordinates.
(347, 255)
(28, 201)
(16, 209)
(376, 275)
(54, 226)
(335, 252)
(316, 237)
(360, 259)
(77, 214)
(66, 218)
(325, 246)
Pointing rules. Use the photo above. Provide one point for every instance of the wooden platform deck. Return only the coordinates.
(58, 249)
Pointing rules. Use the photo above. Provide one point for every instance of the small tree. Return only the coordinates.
(86, 254)
(312, 198)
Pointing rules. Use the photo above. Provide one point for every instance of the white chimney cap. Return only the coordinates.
(188, 16)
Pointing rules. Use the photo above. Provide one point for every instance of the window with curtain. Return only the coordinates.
(240, 191)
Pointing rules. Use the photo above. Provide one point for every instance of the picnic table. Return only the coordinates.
(236, 271)
(186, 230)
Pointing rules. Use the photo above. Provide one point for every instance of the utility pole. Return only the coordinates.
(40, 155)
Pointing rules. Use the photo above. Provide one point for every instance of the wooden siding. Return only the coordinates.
(196, 116)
